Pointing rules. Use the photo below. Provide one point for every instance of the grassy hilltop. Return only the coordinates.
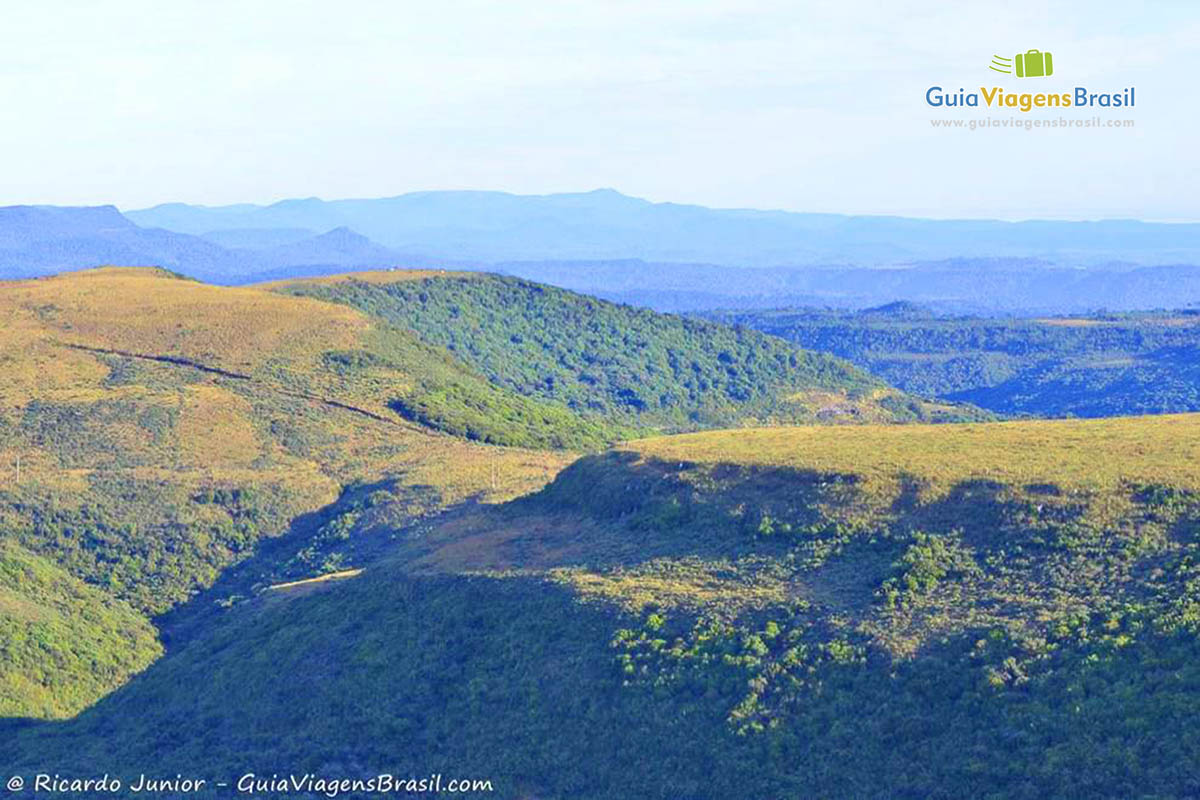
(1072, 455)
(156, 432)
(1002, 609)
(163, 428)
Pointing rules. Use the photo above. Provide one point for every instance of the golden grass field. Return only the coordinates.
(222, 429)
(1084, 454)
(146, 311)
(379, 276)
(713, 562)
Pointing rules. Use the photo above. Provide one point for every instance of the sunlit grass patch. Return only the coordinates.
(1072, 454)
(379, 276)
(692, 585)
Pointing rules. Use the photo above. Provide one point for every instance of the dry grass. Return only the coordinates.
(689, 585)
(1069, 453)
(1083, 322)
(295, 588)
(1073, 322)
(382, 276)
(224, 429)
(495, 474)
(215, 428)
(16, 607)
(145, 311)
(840, 407)
(100, 417)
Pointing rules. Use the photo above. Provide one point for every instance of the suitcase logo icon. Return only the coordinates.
(1030, 64)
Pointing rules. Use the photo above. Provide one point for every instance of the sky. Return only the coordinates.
(739, 103)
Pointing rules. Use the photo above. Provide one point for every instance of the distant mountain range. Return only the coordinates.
(663, 255)
(41, 240)
(605, 224)
(37, 240)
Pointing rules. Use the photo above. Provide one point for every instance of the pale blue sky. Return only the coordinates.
(808, 107)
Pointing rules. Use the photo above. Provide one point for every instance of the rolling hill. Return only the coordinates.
(1001, 609)
(286, 527)
(636, 368)
(162, 438)
(154, 430)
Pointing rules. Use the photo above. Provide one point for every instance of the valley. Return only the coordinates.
(599, 401)
(166, 430)
(411, 521)
(761, 602)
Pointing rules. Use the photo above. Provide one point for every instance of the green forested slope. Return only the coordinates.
(1104, 365)
(62, 642)
(632, 369)
(1003, 610)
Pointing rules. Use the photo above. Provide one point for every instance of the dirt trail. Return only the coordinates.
(178, 361)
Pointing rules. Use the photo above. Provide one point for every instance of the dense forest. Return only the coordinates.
(1087, 366)
(63, 643)
(631, 368)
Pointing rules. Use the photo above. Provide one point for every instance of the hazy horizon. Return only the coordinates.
(279, 200)
(773, 105)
